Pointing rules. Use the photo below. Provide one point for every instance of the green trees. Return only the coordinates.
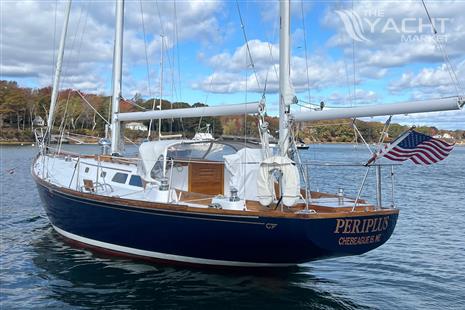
(19, 106)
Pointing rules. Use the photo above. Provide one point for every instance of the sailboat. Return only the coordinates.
(223, 206)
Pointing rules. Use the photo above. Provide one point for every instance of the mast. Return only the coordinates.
(285, 92)
(56, 80)
(117, 75)
(161, 86)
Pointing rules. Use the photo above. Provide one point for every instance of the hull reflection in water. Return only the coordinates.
(124, 283)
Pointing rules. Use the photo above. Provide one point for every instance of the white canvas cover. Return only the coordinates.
(290, 180)
(149, 153)
(243, 167)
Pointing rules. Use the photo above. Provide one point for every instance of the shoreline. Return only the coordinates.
(32, 143)
(25, 143)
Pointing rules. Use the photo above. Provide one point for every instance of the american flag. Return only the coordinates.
(419, 148)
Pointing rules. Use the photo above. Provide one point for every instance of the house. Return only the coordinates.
(136, 126)
(445, 136)
(38, 121)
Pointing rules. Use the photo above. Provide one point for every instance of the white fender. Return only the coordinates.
(290, 181)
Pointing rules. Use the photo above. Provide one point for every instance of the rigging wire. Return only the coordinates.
(270, 50)
(347, 75)
(66, 65)
(170, 61)
(90, 105)
(149, 88)
(324, 125)
(306, 53)
(206, 99)
(354, 125)
(176, 38)
(450, 68)
(132, 102)
(62, 126)
(54, 41)
(247, 44)
(163, 33)
(354, 99)
(384, 133)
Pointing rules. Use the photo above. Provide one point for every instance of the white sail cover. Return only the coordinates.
(243, 167)
(290, 180)
(288, 94)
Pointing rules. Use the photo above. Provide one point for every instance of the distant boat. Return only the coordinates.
(221, 204)
(302, 146)
(205, 135)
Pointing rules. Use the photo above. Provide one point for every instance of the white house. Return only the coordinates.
(136, 126)
(38, 121)
(444, 136)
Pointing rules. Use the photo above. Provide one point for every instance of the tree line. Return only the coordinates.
(87, 114)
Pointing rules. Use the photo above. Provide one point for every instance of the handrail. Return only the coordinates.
(174, 162)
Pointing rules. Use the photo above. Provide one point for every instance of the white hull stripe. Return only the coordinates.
(158, 255)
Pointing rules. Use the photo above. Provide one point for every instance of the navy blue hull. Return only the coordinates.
(204, 236)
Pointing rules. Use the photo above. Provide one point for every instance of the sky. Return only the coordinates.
(345, 53)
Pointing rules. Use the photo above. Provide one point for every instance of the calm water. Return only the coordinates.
(421, 266)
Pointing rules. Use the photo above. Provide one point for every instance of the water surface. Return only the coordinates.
(421, 266)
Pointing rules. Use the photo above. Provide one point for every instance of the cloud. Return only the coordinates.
(269, 10)
(431, 82)
(229, 69)
(450, 120)
(362, 96)
(31, 31)
(399, 35)
(263, 54)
